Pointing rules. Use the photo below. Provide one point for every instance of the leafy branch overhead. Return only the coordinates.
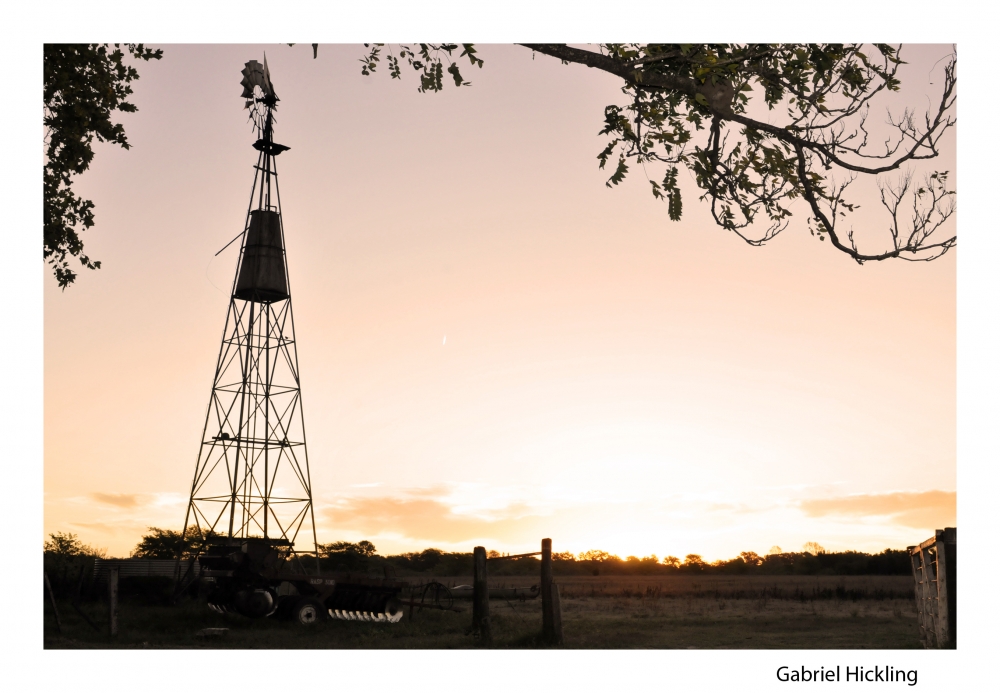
(84, 84)
(428, 59)
(690, 106)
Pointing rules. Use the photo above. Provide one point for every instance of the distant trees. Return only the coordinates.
(68, 544)
(438, 563)
(67, 560)
(161, 544)
(363, 548)
(362, 556)
(166, 544)
(889, 562)
(598, 556)
(693, 562)
(345, 555)
(597, 562)
(813, 548)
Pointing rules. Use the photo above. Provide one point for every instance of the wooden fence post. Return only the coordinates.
(548, 633)
(52, 598)
(946, 593)
(557, 629)
(113, 599)
(480, 596)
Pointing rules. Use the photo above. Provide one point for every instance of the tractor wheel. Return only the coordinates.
(437, 595)
(308, 610)
(393, 610)
(255, 603)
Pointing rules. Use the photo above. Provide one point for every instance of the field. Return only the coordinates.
(756, 612)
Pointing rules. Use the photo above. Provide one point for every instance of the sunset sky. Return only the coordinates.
(494, 346)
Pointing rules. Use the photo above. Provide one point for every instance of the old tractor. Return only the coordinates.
(258, 578)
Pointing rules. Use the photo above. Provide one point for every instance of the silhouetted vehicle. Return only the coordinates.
(262, 577)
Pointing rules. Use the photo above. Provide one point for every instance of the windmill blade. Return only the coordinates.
(257, 75)
(253, 75)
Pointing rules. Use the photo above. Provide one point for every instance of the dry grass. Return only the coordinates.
(704, 622)
(598, 612)
(799, 587)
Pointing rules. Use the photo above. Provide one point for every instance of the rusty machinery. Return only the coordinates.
(255, 578)
(251, 497)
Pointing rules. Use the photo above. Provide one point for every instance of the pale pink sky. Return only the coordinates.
(610, 379)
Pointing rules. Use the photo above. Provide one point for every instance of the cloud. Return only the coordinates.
(127, 526)
(121, 500)
(435, 491)
(424, 518)
(924, 510)
(453, 515)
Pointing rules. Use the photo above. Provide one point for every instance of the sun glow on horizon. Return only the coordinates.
(447, 518)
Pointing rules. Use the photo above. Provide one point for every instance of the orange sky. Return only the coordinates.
(494, 346)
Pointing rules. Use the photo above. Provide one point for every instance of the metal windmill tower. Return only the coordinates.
(252, 474)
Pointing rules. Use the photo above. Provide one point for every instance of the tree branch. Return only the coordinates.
(690, 87)
(627, 72)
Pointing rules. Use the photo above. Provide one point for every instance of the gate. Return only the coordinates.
(934, 565)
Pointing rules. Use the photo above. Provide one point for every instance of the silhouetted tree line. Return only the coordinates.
(69, 563)
(65, 555)
(434, 562)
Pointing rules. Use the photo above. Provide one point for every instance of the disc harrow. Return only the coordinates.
(368, 616)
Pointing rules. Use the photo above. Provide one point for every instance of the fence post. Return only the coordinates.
(946, 584)
(547, 620)
(113, 599)
(557, 629)
(52, 598)
(480, 596)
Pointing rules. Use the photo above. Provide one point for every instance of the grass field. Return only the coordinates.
(795, 612)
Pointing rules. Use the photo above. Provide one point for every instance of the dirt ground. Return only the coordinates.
(725, 612)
